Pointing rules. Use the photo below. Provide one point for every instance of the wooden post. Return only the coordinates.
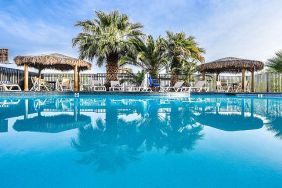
(217, 76)
(243, 79)
(253, 81)
(26, 77)
(216, 80)
(203, 76)
(75, 78)
(78, 78)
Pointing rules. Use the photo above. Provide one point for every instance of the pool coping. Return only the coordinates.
(33, 94)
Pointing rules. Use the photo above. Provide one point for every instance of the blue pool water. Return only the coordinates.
(140, 141)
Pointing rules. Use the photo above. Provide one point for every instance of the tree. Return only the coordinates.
(187, 69)
(182, 48)
(275, 63)
(148, 54)
(135, 79)
(106, 38)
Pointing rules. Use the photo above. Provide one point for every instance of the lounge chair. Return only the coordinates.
(153, 82)
(177, 87)
(97, 85)
(115, 85)
(198, 87)
(222, 87)
(239, 87)
(8, 86)
(144, 87)
(65, 85)
(38, 84)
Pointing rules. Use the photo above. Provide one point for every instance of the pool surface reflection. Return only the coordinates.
(140, 141)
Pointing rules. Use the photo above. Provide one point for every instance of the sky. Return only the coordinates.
(224, 28)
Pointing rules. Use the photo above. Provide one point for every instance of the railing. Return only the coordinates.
(264, 82)
(12, 75)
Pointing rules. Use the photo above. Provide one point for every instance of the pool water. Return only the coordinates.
(140, 141)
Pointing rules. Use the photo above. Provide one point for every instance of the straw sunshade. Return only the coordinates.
(231, 65)
(230, 122)
(52, 61)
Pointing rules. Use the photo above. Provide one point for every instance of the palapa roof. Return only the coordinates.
(52, 61)
(230, 64)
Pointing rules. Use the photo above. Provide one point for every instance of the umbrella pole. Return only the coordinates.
(253, 82)
(75, 78)
(25, 77)
(243, 79)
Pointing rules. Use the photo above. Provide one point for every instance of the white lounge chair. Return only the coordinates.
(222, 87)
(115, 85)
(177, 87)
(198, 87)
(97, 85)
(38, 84)
(8, 86)
(144, 87)
(64, 85)
(239, 87)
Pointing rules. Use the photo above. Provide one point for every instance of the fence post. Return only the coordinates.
(267, 86)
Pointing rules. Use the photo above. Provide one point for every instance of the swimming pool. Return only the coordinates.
(140, 141)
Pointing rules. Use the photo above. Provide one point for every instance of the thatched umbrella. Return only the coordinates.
(52, 61)
(52, 124)
(232, 65)
(230, 122)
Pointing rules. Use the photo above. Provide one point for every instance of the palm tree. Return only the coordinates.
(275, 63)
(106, 38)
(187, 69)
(180, 47)
(148, 54)
(135, 79)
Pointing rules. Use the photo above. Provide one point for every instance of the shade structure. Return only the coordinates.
(52, 124)
(230, 122)
(232, 65)
(52, 61)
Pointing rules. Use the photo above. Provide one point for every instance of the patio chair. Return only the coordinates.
(38, 84)
(65, 85)
(198, 87)
(115, 85)
(239, 87)
(153, 82)
(143, 87)
(8, 86)
(223, 86)
(176, 88)
(97, 85)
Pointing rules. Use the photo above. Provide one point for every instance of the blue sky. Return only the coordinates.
(242, 28)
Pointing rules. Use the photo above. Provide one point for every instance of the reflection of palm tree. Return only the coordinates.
(275, 126)
(184, 131)
(118, 141)
(108, 151)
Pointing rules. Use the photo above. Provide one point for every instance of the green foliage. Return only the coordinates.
(135, 79)
(106, 36)
(187, 69)
(182, 49)
(275, 64)
(149, 54)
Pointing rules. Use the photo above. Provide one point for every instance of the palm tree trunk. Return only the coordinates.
(173, 78)
(112, 68)
(174, 71)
